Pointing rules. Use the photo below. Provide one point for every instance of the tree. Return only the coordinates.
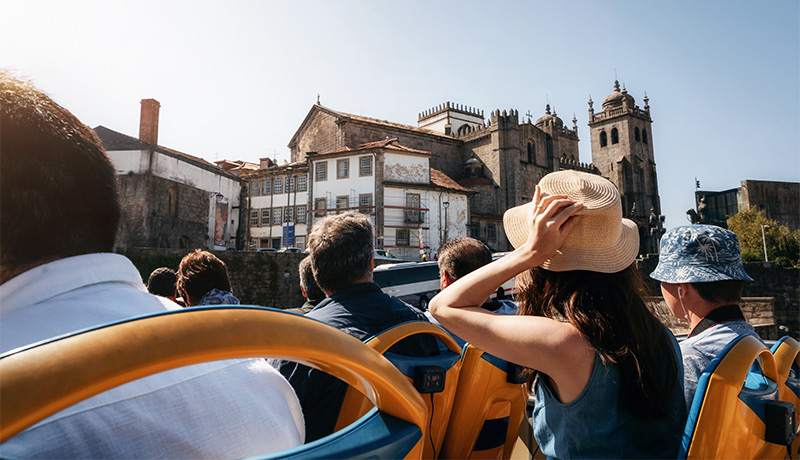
(783, 245)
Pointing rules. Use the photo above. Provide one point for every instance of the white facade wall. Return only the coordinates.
(412, 169)
(275, 231)
(221, 188)
(351, 186)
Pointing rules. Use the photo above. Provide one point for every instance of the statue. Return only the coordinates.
(701, 215)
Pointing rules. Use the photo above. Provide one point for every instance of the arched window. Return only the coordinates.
(614, 136)
(603, 139)
(644, 136)
(463, 129)
(636, 134)
(531, 152)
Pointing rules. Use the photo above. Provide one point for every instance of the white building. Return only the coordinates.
(413, 207)
(278, 205)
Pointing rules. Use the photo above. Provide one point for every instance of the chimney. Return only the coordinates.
(148, 121)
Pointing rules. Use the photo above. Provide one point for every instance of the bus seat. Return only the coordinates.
(488, 411)
(787, 359)
(439, 403)
(44, 378)
(736, 391)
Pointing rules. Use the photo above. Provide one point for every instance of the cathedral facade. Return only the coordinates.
(502, 158)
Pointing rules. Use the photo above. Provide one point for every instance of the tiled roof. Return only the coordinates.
(113, 140)
(443, 180)
(389, 144)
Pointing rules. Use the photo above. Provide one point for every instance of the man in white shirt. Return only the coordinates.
(59, 215)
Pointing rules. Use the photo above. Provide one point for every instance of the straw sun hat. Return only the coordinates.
(602, 242)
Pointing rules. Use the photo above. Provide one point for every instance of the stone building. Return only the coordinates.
(170, 199)
(779, 201)
(502, 159)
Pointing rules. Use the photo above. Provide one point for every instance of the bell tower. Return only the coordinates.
(622, 149)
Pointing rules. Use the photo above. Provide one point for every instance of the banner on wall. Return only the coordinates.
(221, 223)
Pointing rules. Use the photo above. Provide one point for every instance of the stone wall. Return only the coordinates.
(266, 279)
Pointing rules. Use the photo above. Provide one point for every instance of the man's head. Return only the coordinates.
(162, 282)
(460, 256)
(341, 251)
(58, 189)
(200, 272)
(308, 284)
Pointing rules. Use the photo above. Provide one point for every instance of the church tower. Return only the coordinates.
(622, 149)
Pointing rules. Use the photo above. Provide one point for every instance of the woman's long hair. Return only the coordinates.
(609, 311)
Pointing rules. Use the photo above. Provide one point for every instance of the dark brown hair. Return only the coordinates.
(460, 256)
(609, 311)
(307, 281)
(200, 272)
(717, 292)
(341, 247)
(58, 189)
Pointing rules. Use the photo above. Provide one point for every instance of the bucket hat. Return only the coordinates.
(699, 254)
(602, 242)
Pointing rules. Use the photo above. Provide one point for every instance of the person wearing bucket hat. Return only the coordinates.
(701, 274)
(606, 373)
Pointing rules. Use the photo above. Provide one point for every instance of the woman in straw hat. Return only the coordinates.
(606, 373)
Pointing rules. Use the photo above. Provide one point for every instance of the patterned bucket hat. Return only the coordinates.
(699, 254)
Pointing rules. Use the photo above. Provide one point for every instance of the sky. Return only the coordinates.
(235, 79)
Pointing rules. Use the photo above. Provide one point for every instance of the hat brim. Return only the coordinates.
(605, 259)
(699, 273)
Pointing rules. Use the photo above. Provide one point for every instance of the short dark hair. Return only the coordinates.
(308, 283)
(200, 272)
(341, 247)
(460, 256)
(162, 282)
(725, 291)
(58, 189)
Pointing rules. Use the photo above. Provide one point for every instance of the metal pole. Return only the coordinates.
(764, 239)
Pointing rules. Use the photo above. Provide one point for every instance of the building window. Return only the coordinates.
(322, 171)
(290, 184)
(343, 168)
(300, 242)
(341, 204)
(644, 136)
(277, 186)
(302, 183)
(365, 166)
(365, 202)
(413, 213)
(253, 244)
(475, 230)
(320, 207)
(255, 188)
(266, 189)
(401, 237)
(301, 214)
(614, 136)
(603, 139)
(636, 134)
(265, 217)
(254, 218)
(289, 213)
(531, 152)
(276, 216)
(491, 232)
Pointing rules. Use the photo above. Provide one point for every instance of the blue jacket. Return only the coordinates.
(362, 311)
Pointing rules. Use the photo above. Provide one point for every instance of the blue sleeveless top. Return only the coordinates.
(593, 425)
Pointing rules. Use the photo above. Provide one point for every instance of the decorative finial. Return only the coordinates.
(317, 98)
(646, 101)
(616, 86)
(591, 103)
(574, 121)
(547, 109)
(625, 91)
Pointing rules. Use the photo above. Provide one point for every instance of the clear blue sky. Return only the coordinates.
(235, 79)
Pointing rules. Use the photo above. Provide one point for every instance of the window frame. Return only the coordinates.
(266, 212)
(300, 214)
(362, 207)
(361, 166)
(302, 183)
(341, 209)
(343, 173)
(397, 238)
(321, 171)
(277, 185)
(254, 218)
(266, 187)
(277, 216)
(320, 211)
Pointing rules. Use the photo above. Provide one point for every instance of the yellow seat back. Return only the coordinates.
(725, 420)
(43, 379)
(488, 409)
(787, 359)
(439, 404)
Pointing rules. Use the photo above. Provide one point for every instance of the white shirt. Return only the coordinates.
(232, 408)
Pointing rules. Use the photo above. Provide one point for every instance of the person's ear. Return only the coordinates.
(445, 280)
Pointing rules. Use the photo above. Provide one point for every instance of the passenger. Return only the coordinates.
(309, 287)
(341, 253)
(162, 282)
(460, 256)
(203, 280)
(606, 373)
(60, 212)
(701, 274)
